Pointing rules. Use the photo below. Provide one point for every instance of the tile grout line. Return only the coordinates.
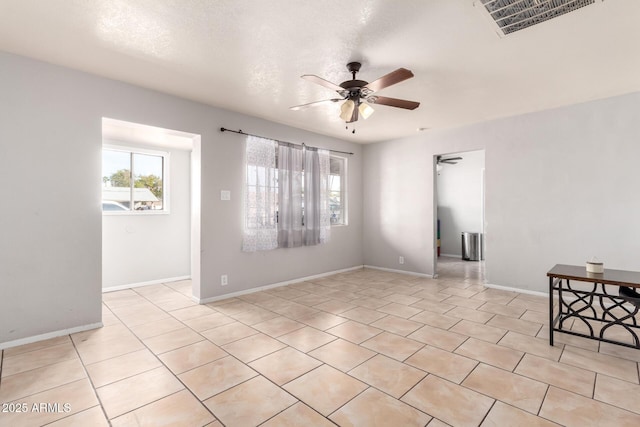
(33, 351)
(357, 379)
(69, 416)
(414, 386)
(247, 364)
(349, 400)
(613, 404)
(290, 406)
(496, 399)
(259, 374)
(95, 391)
(373, 322)
(348, 301)
(280, 388)
(51, 388)
(164, 365)
(489, 411)
(513, 371)
(176, 375)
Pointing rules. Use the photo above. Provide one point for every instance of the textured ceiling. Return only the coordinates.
(248, 56)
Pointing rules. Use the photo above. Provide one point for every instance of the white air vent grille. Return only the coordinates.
(515, 15)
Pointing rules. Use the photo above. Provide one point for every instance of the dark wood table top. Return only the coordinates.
(609, 277)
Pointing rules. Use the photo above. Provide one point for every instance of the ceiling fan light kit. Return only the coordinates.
(346, 110)
(365, 110)
(359, 94)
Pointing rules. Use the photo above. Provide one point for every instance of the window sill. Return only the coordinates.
(135, 213)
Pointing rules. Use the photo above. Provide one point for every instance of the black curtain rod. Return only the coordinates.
(240, 132)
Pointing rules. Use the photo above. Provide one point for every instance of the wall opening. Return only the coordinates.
(459, 226)
(152, 235)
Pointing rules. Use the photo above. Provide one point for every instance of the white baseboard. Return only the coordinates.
(49, 335)
(150, 282)
(411, 273)
(274, 285)
(521, 291)
(452, 256)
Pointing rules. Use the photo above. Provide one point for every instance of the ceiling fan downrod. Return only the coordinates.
(353, 68)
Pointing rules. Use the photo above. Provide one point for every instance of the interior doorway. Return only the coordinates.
(459, 192)
(151, 206)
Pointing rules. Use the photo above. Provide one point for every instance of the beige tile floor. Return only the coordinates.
(363, 348)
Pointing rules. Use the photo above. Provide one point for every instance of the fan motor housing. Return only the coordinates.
(353, 84)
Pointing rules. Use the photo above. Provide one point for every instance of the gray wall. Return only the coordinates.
(139, 247)
(562, 185)
(460, 200)
(50, 179)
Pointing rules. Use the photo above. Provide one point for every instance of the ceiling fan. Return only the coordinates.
(449, 161)
(358, 94)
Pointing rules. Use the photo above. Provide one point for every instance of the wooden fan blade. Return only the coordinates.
(392, 78)
(395, 102)
(314, 104)
(322, 82)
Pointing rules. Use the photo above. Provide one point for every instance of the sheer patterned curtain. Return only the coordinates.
(325, 208)
(260, 230)
(290, 164)
(317, 218)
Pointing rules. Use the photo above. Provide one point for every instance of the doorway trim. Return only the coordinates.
(182, 140)
(435, 203)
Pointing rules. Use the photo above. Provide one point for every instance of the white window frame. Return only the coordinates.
(165, 178)
(343, 190)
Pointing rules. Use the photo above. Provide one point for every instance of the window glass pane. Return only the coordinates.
(335, 207)
(116, 180)
(336, 190)
(334, 183)
(335, 166)
(147, 182)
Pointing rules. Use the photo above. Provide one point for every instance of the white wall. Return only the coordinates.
(50, 179)
(459, 199)
(139, 248)
(561, 186)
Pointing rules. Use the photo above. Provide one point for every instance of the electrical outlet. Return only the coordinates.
(401, 260)
(224, 280)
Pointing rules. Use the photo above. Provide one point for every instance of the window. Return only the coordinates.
(134, 180)
(260, 232)
(338, 190)
(287, 195)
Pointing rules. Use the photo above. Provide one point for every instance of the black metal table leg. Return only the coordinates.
(551, 311)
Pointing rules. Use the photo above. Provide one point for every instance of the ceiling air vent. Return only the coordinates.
(515, 15)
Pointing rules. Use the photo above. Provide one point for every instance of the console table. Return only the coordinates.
(612, 293)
